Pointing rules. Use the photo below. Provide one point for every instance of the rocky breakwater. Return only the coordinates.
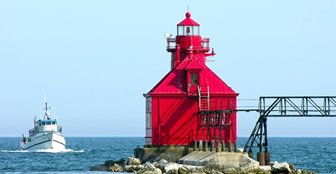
(213, 166)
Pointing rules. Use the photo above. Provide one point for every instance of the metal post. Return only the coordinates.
(223, 146)
(261, 158)
(230, 148)
(235, 146)
(261, 135)
(211, 146)
(195, 145)
(267, 154)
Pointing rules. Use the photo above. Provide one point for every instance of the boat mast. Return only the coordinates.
(46, 115)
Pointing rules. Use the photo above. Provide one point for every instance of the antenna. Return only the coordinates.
(45, 96)
(54, 113)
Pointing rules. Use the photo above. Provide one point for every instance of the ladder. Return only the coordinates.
(203, 100)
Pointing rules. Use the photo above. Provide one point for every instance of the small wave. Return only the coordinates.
(43, 151)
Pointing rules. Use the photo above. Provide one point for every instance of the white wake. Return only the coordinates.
(43, 151)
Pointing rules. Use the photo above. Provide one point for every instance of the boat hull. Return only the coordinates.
(42, 141)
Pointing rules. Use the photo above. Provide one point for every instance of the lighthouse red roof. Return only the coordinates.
(188, 21)
(174, 81)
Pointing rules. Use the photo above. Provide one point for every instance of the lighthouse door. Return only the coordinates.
(193, 81)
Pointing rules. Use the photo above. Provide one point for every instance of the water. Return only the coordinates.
(85, 152)
(317, 154)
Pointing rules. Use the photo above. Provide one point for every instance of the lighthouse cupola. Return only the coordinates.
(187, 42)
(188, 27)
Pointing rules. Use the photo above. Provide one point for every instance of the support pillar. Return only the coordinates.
(235, 146)
(195, 145)
(211, 146)
(261, 158)
(230, 146)
(267, 158)
(223, 146)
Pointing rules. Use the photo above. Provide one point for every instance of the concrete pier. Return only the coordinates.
(170, 153)
(224, 159)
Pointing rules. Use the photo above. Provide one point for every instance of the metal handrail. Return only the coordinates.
(171, 44)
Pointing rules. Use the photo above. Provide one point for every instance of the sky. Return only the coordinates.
(93, 60)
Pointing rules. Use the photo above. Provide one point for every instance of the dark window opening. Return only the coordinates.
(194, 79)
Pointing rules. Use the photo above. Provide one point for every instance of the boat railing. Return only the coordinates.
(59, 129)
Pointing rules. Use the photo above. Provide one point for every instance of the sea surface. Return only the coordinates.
(317, 154)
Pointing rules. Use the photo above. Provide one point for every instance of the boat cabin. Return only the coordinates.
(46, 125)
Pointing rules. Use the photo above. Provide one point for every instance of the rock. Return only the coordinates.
(128, 169)
(157, 171)
(299, 171)
(115, 168)
(133, 161)
(265, 168)
(248, 164)
(216, 163)
(161, 164)
(120, 162)
(149, 167)
(291, 166)
(98, 167)
(133, 168)
(183, 170)
(171, 168)
(281, 167)
(213, 171)
(195, 170)
(146, 172)
(307, 172)
(230, 170)
(109, 162)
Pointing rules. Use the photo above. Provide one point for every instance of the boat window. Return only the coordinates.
(43, 123)
(40, 124)
(53, 123)
(48, 123)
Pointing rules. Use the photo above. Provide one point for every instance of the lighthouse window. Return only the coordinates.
(187, 30)
(194, 79)
(196, 30)
(180, 30)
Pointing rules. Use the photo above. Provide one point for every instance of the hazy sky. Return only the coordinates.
(95, 59)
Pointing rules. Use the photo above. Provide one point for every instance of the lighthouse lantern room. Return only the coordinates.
(191, 103)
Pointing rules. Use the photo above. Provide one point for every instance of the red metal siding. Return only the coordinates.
(174, 120)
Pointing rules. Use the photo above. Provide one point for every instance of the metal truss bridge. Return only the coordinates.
(286, 106)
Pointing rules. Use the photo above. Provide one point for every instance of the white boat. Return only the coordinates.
(45, 135)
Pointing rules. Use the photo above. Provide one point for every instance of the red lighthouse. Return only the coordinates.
(191, 103)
